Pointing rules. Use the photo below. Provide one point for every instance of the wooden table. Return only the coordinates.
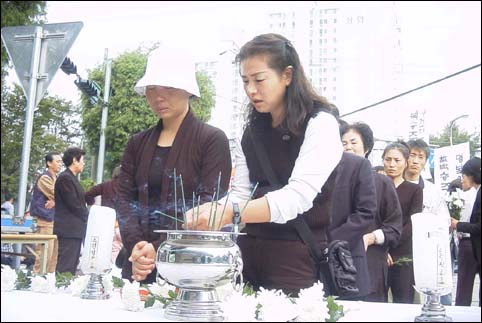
(41, 239)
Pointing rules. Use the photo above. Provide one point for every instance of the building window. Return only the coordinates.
(334, 20)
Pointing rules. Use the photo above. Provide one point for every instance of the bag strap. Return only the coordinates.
(299, 222)
(263, 160)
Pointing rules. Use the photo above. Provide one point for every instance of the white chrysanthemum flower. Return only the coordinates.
(275, 306)
(40, 284)
(459, 203)
(239, 308)
(130, 296)
(312, 305)
(107, 282)
(225, 291)
(78, 285)
(9, 277)
(163, 290)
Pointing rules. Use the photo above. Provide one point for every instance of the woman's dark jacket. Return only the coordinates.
(199, 153)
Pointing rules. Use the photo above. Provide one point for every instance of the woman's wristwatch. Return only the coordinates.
(236, 217)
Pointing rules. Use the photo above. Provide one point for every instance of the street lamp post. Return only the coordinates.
(452, 125)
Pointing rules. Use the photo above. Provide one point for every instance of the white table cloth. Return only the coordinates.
(28, 306)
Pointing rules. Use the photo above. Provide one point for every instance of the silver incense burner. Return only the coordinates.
(197, 262)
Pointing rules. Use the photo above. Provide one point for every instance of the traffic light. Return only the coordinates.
(68, 67)
(90, 88)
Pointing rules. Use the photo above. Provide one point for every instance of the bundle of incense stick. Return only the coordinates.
(214, 201)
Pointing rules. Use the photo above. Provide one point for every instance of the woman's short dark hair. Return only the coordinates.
(454, 185)
(472, 168)
(70, 154)
(300, 95)
(400, 146)
(365, 133)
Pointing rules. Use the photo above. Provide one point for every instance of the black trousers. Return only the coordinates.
(467, 269)
(378, 269)
(401, 280)
(277, 264)
(69, 253)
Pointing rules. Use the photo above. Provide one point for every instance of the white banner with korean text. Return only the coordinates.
(448, 162)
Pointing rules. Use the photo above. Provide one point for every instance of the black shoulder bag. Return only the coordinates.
(334, 264)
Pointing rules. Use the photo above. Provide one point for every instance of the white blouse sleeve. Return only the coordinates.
(241, 186)
(320, 153)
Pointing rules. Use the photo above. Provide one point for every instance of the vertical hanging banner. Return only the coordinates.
(448, 162)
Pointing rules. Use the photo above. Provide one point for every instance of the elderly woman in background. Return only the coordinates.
(385, 231)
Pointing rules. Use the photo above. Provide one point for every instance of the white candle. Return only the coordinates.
(96, 255)
(431, 253)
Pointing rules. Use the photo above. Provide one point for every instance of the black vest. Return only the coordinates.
(282, 149)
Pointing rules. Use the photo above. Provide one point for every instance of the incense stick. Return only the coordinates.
(175, 196)
(183, 200)
(193, 209)
(211, 210)
(217, 198)
(169, 216)
(224, 208)
(249, 199)
(198, 202)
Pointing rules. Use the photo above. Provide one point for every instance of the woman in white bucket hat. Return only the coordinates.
(180, 145)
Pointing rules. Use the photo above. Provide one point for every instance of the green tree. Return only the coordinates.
(19, 13)
(458, 136)
(202, 106)
(129, 112)
(55, 126)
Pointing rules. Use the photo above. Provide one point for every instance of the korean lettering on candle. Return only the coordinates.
(94, 247)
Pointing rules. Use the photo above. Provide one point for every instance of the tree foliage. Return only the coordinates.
(19, 13)
(458, 137)
(55, 126)
(202, 106)
(128, 112)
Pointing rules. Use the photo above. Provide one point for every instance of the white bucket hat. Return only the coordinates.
(169, 67)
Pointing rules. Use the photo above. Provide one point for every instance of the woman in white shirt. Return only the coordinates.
(295, 128)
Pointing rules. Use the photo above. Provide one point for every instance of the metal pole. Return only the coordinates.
(27, 136)
(105, 106)
(451, 125)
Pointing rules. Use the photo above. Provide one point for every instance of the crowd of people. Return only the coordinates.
(296, 160)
